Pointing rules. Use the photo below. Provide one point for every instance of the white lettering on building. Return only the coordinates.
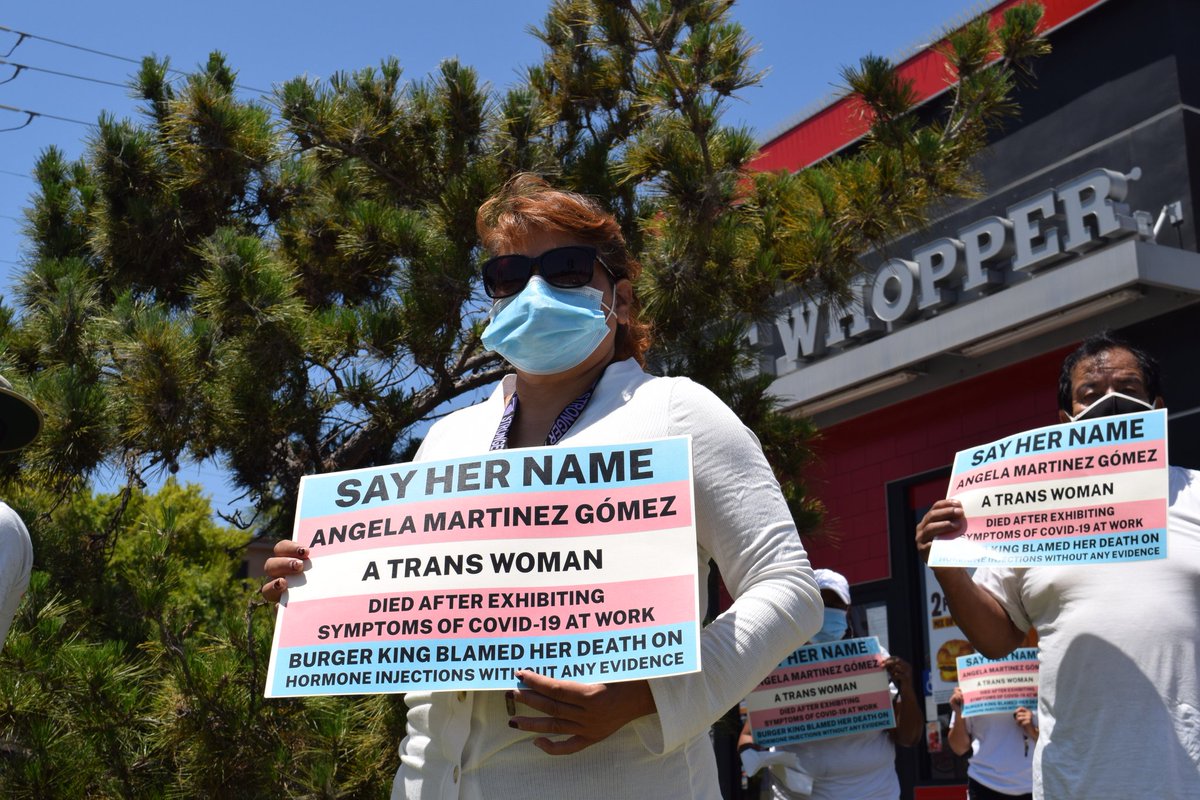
(1084, 213)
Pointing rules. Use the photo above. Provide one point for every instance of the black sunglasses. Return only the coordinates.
(564, 267)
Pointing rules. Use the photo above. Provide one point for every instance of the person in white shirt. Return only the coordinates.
(565, 317)
(859, 765)
(1119, 648)
(20, 423)
(1001, 747)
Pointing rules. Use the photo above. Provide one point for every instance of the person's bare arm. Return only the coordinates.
(746, 738)
(958, 738)
(978, 614)
(1024, 718)
(910, 717)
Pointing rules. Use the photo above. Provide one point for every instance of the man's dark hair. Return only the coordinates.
(1099, 343)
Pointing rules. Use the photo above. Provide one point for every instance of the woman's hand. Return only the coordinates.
(585, 713)
(910, 716)
(1024, 718)
(956, 700)
(899, 671)
(288, 560)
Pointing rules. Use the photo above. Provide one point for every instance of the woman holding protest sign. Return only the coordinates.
(564, 315)
(853, 765)
(1001, 748)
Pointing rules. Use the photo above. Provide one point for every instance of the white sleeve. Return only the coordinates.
(743, 523)
(16, 562)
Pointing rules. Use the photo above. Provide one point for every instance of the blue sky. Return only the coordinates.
(804, 44)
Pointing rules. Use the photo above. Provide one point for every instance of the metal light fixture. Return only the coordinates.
(1052, 322)
(860, 391)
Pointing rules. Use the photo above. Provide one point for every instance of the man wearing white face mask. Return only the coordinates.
(858, 765)
(1119, 694)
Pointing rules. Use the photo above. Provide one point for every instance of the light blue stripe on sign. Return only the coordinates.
(1072, 436)
(507, 472)
(415, 665)
(1006, 706)
(825, 729)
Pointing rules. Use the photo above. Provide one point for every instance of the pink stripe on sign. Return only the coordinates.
(1065, 464)
(820, 671)
(350, 619)
(1006, 668)
(874, 701)
(533, 515)
(828, 707)
(1056, 524)
(1001, 693)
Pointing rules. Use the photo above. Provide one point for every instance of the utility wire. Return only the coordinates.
(17, 174)
(20, 39)
(23, 35)
(21, 67)
(31, 115)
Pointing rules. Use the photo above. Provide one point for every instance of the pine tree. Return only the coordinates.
(294, 298)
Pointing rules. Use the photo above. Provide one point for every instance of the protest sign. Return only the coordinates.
(821, 691)
(576, 562)
(999, 685)
(1085, 492)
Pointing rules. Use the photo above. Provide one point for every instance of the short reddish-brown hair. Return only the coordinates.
(527, 203)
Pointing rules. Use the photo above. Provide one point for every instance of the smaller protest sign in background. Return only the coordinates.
(946, 643)
(821, 691)
(575, 562)
(1086, 492)
(1000, 685)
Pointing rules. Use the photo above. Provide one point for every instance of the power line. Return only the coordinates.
(31, 115)
(21, 67)
(17, 174)
(23, 35)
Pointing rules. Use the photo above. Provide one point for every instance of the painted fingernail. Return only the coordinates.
(302, 551)
(297, 565)
(510, 704)
(280, 584)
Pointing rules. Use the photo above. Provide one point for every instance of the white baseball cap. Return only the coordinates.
(835, 582)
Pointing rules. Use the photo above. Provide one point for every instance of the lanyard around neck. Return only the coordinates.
(566, 419)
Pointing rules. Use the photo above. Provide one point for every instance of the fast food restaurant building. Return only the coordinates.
(955, 338)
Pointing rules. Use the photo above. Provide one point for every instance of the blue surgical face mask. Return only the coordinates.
(543, 330)
(834, 628)
(1112, 404)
